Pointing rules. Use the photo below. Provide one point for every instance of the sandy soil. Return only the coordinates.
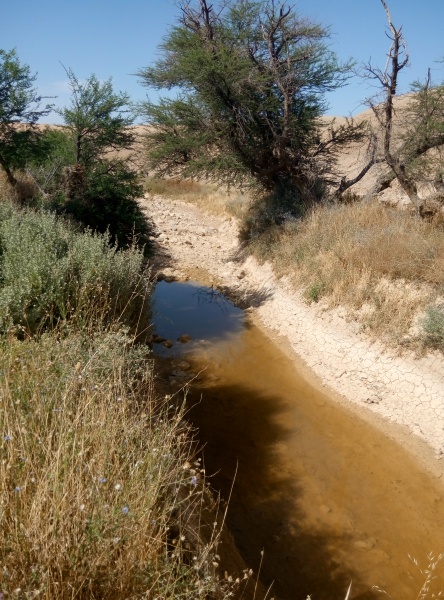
(401, 395)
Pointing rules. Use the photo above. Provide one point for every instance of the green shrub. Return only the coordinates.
(433, 325)
(48, 270)
(108, 203)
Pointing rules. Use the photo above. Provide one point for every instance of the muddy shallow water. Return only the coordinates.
(327, 497)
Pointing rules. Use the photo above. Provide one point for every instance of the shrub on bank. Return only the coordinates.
(49, 270)
(434, 325)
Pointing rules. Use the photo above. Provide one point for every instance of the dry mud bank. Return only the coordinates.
(402, 395)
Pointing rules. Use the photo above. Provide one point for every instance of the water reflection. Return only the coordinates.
(189, 308)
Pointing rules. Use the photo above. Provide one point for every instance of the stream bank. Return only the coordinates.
(322, 488)
(402, 396)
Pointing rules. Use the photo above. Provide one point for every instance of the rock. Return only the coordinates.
(373, 400)
(184, 338)
(158, 339)
(365, 544)
(183, 365)
(168, 344)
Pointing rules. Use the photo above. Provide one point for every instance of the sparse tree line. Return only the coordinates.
(251, 77)
(76, 168)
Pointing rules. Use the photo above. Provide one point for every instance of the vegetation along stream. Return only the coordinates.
(328, 498)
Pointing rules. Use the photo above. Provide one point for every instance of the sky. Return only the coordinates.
(115, 38)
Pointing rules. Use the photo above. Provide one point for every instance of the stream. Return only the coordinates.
(327, 497)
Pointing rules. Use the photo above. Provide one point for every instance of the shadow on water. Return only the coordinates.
(239, 432)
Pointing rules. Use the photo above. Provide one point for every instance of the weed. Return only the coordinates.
(315, 292)
(433, 325)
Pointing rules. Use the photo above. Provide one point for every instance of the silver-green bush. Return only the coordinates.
(49, 270)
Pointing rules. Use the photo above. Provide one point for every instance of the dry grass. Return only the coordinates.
(99, 497)
(383, 264)
(206, 196)
(25, 190)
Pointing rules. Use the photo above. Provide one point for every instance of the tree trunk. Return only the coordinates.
(11, 179)
(408, 185)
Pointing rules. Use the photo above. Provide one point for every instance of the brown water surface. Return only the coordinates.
(327, 497)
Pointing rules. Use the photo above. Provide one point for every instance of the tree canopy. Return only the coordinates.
(97, 118)
(251, 77)
(19, 112)
(100, 185)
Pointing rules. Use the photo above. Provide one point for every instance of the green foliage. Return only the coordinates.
(108, 203)
(97, 119)
(50, 271)
(252, 78)
(88, 178)
(19, 112)
(48, 170)
(434, 325)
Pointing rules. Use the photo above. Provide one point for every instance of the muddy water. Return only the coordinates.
(328, 498)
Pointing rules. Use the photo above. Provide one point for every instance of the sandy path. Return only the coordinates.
(402, 395)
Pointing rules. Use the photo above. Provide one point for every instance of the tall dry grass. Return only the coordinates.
(98, 495)
(386, 266)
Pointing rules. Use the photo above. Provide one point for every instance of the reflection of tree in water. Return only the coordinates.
(211, 295)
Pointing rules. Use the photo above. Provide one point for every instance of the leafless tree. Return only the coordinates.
(420, 122)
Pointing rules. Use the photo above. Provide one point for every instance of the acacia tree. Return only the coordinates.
(98, 119)
(19, 112)
(252, 78)
(406, 135)
(101, 186)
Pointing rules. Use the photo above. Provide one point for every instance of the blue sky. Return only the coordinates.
(112, 38)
